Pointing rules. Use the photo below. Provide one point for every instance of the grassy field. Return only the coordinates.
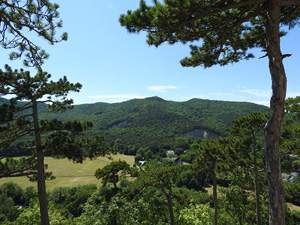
(69, 174)
(293, 207)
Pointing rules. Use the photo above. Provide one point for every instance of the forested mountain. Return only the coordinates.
(155, 121)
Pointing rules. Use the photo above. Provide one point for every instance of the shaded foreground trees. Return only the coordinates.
(224, 32)
(55, 138)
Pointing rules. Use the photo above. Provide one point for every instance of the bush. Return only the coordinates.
(29, 195)
(196, 215)
(31, 216)
(72, 200)
(8, 210)
(13, 191)
(292, 193)
(184, 196)
(293, 217)
(13, 199)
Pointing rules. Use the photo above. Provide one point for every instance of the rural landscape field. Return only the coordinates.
(70, 174)
(149, 112)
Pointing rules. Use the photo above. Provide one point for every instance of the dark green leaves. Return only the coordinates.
(22, 86)
(111, 172)
(21, 17)
(220, 31)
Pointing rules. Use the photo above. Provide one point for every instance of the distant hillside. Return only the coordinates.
(154, 121)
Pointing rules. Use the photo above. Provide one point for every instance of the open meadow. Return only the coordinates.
(68, 173)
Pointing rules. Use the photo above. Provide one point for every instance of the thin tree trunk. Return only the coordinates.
(256, 183)
(215, 198)
(40, 168)
(170, 209)
(169, 196)
(273, 127)
(257, 202)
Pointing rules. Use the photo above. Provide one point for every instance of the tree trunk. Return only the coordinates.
(256, 185)
(273, 127)
(215, 198)
(40, 167)
(169, 205)
(257, 203)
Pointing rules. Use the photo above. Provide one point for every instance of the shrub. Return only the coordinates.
(196, 215)
(71, 200)
(292, 192)
(14, 191)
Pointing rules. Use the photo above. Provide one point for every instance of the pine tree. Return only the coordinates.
(162, 176)
(22, 127)
(223, 32)
(249, 130)
(214, 156)
(39, 17)
(111, 172)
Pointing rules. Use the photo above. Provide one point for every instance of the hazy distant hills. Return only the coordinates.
(153, 120)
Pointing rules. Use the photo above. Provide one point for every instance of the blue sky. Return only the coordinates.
(114, 65)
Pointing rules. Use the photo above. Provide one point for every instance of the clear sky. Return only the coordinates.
(114, 65)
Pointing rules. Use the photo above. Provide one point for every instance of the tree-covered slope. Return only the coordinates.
(154, 121)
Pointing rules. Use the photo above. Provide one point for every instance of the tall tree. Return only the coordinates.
(213, 157)
(55, 138)
(40, 17)
(222, 32)
(162, 176)
(249, 130)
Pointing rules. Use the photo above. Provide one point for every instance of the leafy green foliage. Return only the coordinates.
(293, 217)
(30, 216)
(292, 192)
(196, 215)
(111, 172)
(249, 133)
(12, 199)
(71, 201)
(11, 167)
(239, 205)
(291, 130)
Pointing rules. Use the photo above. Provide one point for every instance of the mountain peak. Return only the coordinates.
(155, 98)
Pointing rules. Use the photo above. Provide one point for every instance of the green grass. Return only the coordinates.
(70, 174)
(293, 207)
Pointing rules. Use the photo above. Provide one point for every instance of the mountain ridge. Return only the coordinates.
(155, 121)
